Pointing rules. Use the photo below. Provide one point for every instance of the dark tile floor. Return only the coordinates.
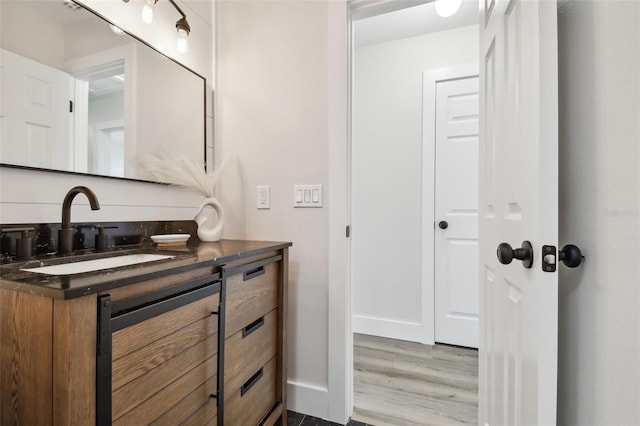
(297, 419)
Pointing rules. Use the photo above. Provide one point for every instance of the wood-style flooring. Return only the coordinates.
(404, 383)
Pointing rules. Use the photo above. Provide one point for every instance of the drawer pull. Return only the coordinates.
(249, 383)
(253, 327)
(254, 273)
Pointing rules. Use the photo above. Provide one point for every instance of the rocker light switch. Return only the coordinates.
(264, 198)
(307, 196)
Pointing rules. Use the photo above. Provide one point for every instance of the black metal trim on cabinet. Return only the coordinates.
(152, 310)
(221, 340)
(103, 362)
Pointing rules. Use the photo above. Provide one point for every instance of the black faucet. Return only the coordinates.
(65, 234)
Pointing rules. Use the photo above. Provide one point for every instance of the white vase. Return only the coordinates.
(207, 230)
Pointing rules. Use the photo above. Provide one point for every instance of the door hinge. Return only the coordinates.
(348, 231)
(70, 106)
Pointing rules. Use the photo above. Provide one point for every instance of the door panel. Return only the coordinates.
(518, 199)
(456, 202)
(38, 124)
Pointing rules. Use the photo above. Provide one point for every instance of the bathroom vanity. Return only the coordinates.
(199, 338)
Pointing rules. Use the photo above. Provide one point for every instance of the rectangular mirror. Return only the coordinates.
(79, 95)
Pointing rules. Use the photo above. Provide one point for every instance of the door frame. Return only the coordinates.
(430, 80)
(341, 16)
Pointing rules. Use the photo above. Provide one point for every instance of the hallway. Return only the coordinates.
(405, 383)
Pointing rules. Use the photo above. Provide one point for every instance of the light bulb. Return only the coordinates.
(116, 30)
(446, 8)
(183, 43)
(147, 14)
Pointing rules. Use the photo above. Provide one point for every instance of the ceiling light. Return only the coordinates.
(446, 8)
(147, 11)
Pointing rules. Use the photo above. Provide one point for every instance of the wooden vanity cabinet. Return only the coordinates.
(203, 346)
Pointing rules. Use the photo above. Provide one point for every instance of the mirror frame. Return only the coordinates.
(204, 114)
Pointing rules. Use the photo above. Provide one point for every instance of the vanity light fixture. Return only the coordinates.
(147, 11)
(183, 32)
(446, 8)
(182, 26)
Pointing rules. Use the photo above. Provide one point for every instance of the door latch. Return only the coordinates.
(570, 255)
(549, 258)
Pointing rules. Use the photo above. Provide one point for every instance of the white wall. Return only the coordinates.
(387, 176)
(277, 111)
(599, 322)
(29, 196)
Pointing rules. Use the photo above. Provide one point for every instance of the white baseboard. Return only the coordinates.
(393, 329)
(308, 399)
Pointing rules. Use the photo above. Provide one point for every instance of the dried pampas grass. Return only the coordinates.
(183, 171)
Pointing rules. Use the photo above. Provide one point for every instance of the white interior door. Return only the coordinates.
(456, 211)
(36, 118)
(518, 202)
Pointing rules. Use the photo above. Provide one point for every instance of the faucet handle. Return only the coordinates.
(23, 244)
(25, 231)
(101, 237)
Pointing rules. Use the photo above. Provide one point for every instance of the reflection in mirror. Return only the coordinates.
(79, 95)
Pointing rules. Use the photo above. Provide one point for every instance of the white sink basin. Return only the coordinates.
(97, 264)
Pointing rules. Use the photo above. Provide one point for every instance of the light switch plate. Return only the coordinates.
(263, 197)
(307, 196)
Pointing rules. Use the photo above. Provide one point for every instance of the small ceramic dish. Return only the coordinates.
(170, 238)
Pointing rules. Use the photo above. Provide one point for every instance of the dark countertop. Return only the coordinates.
(194, 255)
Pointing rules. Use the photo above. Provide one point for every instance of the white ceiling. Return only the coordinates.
(60, 11)
(411, 22)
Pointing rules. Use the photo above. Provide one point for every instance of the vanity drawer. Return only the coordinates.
(255, 398)
(250, 294)
(163, 359)
(249, 349)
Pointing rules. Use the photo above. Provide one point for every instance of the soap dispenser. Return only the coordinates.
(24, 245)
(101, 237)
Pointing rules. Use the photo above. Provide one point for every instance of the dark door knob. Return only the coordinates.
(443, 224)
(571, 256)
(506, 254)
